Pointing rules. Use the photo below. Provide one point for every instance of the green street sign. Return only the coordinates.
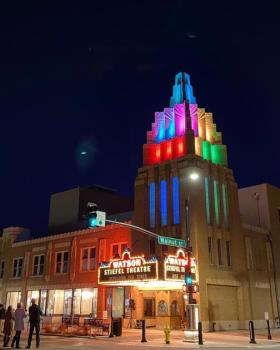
(174, 242)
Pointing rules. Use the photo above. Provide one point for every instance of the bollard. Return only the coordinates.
(269, 337)
(252, 333)
(200, 339)
(143, 340)
(214, 324)
(167, 335)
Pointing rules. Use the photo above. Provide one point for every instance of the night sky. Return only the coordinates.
(89, 77)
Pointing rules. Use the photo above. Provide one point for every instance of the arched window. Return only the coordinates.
(162, 308)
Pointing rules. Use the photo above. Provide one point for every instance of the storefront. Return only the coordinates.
(66, 302)
(146, 288)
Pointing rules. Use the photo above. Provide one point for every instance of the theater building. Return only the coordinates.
(184, 190)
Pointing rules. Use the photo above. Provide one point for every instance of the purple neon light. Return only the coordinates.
(194, 118)
(169, 123)
(180, 125)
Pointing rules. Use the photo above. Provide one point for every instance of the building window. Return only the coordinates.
(162, 309)
(217, 202)
(175, 311)
(43, 301)
(225, 204)
(228, 249)
(220, 251)
(67, 302)
(55, 302)
(176, 200)
(152, 202)
(207, 200)
(149, 307)
(118, 249)
(249, 253)
(210, 250)
(17, 267)
(163, 202)
(38, 265)
(2, 268)
(41, 298)
(62, 261)
(152, 243)
(32, 294)
(12, 299)
(88, 259)
(85, 301)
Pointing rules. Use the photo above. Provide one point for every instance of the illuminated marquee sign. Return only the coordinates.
(175, 266)
(128, 269)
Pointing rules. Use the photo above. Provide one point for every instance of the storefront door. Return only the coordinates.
(118, 302)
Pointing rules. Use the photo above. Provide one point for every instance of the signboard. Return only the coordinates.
(100, 218)
(128, 269)
(175, 266)
(174, 242)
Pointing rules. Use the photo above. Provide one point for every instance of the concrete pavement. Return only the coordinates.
(131, 338)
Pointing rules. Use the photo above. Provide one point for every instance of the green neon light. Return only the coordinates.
(216, 202)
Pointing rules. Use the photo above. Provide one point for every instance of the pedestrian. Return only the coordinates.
(8, 326)
(19, 324)
(35, 314)
(2, 317)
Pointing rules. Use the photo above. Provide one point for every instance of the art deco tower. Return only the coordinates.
(184, 160)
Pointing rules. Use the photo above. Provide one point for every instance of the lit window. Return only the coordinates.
(38, 265)
(13, 298)
(152, 202)
(32, 294)
(2, 268)
(85, 301)
(207, 200)
(225, 204)
(88, 259)
(228, 249)
(17, 267)
(62, 261)
(176, 200)
(217, 202)
(220, 251)
(163, 202)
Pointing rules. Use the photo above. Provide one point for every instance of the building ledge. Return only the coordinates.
(255, 228)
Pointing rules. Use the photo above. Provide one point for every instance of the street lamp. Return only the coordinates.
(193, 176)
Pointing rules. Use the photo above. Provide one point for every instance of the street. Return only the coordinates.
(155, 340)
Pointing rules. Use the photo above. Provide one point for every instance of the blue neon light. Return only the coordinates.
(152, 202)
(177, 96)
(163, 202)
(176, 200)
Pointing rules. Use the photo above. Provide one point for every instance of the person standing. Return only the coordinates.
(19, 324)
(2, 317)
(35, 314)
(8, 326)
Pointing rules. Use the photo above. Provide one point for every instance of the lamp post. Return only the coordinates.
(194, 176)
(269, 239)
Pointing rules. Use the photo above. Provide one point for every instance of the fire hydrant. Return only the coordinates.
(167, 335)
